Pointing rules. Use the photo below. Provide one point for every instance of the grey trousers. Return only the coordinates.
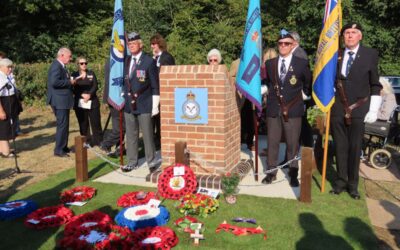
(133, 123)
(291, 130)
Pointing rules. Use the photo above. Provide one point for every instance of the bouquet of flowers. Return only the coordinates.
(229, 183)
(197, 204)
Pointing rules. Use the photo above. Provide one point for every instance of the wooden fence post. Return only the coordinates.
(180, 153)
(307, 165)
(81, 159)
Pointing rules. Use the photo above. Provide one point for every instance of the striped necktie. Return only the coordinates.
(349, 62)
(133, 66)
(282, 73)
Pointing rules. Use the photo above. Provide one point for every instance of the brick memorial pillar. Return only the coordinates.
(214, 146)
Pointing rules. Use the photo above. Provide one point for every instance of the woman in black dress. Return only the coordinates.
(8, 108)
(87, 105)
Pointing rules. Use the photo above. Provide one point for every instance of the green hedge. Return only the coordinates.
(32, 80)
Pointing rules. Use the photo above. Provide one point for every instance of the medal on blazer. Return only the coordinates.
(141, 75)
(293, 80)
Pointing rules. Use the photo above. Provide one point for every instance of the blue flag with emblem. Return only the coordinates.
(117, 55)
(248, 79)
(327, 56)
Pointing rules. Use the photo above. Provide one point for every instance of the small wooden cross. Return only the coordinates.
(196, 236)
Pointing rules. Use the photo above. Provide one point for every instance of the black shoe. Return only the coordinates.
(128, 168)
(268, 179)
(335, 191)
(67, 150)
(294, 182)
(154, 168)
(355, 195)
(63, 155)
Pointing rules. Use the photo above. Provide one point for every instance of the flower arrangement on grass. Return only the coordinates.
(135, 198)
(82, 193)
(197, 204)
(185, 224)
(154, 238)
(87, 220)
(229, 183)
(174, 187)
(49, 217)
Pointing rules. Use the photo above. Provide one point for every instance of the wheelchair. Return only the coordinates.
(379, 137)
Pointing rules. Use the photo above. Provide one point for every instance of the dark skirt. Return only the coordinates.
(10, 106)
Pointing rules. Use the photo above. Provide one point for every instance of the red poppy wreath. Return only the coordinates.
(173, 186)
(82, 193)
(87, 220)
(135, 198)
(49, 217)
(102, 237)
(155, 238)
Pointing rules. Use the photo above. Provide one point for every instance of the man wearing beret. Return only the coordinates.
(357, 100)
(142, 97)
(289, 81)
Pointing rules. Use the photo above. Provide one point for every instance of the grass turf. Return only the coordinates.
(329, 222)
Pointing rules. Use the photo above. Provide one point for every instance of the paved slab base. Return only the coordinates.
(384, 214)
(391, 173)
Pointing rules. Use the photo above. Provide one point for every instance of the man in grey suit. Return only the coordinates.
(59, 97)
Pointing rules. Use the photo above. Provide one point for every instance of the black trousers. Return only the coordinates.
(157, 129)
(90, 117)
(291, 129)
(348, 145)
(247, 123)
(111, 137)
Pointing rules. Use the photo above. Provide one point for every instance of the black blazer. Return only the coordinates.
(144, 76)
(59, 88)
(298, 78)
(166, 59)
(362, 81)
(86, 86)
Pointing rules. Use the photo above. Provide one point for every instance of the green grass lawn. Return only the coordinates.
(329, 222)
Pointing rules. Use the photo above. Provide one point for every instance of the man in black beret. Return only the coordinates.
(142, 98)
(288, 78)
(357, 100)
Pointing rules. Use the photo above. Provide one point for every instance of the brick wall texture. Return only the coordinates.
(214, 147)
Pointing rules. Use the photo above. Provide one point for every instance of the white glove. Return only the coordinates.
(264, 89)
(374, 106)
(305, 97)
(156, 103)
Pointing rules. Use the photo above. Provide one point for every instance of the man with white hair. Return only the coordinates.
(59, 97)
(214, 57)
(297, 50)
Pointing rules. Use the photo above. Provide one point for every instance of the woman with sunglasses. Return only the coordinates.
(87, 105)
(214, 57)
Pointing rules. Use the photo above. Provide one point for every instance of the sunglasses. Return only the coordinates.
(284, 43)
(213, 60)
(83, 63)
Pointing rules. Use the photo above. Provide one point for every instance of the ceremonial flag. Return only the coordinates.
(327, 56)
(117, 54)
(248, 79)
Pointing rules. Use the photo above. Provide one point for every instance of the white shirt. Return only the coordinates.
(288, 60)
(346, 58)
(137, 57)
(4, 80)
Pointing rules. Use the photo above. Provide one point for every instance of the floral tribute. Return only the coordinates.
(198, 204)
(240, 231)
(87, 220)
(49, 217)
(174, 187)
(184, 223)
(142, 216)
(229, 183)
(155, 238)
(103, 236)
(15, 209)
(135, 198)
(82, 193)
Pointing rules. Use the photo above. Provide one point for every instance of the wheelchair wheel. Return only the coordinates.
(380, 159)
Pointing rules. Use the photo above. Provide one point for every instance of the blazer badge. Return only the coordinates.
(293, 80)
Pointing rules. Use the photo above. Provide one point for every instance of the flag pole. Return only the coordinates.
(325, 159)
(255, 120)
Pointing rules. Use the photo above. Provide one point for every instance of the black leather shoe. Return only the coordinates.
(355, 195)
(128, 168)
(268, 179)
(294, 182)
(67, 150)
(63, 155)
(335, 191)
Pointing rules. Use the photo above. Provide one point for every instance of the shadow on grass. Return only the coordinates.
(28, 144)
(13, 189)
(92, 173)
(360, 232)
(316, 237)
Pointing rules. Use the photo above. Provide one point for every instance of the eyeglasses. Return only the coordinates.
(213, 60)
(284, 43)
(83, 63)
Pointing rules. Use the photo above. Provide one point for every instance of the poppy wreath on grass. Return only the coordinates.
(15, 209)
(174, 187)
(155, 238)
(184, 223)
(82, 193)
(197, 204)
(135, 198)
(142, 216)
(104, 236)
(48, 217)
(88, 220)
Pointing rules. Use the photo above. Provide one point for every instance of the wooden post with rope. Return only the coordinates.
(180, 153)
(307, 166)
(81, 160)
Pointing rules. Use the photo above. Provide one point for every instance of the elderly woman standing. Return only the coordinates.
(214, 57)
(87, 105)
(8, 108)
